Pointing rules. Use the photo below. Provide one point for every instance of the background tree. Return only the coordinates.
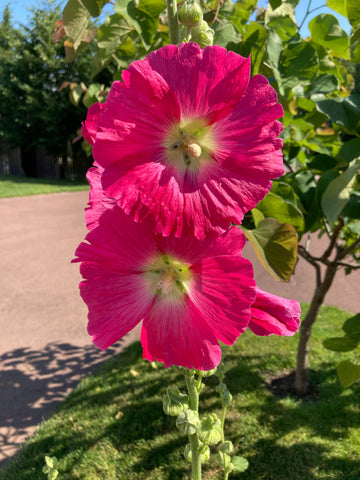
(34, 110)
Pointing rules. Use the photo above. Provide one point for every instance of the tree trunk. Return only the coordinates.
(302, 366)
(28, 161)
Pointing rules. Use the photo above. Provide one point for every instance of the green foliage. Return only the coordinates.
(35, 81)
(348, 371)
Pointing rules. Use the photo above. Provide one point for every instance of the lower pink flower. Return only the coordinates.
(271, 314)
(190, 294)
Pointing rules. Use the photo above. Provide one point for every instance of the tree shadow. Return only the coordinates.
(33, 382)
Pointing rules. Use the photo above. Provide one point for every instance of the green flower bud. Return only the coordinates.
(204, 451)
(188, 421)
(188, 453)
(226, 397)
(190, 14)
(226, 447)
(210, 431)
(174, 402)
(202, 34)
(224, 460)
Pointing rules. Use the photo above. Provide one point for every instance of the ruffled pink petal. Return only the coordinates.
(271, 314)
(116, 303)
(176, 334)
(212, 80)
(90, 127)
(223, 290)
(98, 200)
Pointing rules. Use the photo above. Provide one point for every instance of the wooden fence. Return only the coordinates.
(73, 167)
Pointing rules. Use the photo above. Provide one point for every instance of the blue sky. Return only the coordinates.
(20, 11)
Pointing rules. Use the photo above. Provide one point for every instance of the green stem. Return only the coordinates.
(194, 387)
(173, 21)
(223, 423)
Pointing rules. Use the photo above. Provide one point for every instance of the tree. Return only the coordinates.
(35, 110)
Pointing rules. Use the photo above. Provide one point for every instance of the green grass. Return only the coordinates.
(11, 186)
(112, 426)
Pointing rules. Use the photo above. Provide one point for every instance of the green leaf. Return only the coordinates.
(75, 94)
(281, 203)
(348, 373)
(355, 44)
(276, 246)
(299, 64)
(340, 344)
(275, 3)
(274, 49)
(352, 209)
(338, 191)
(76, 20)
(225, 34)
(285, 9)
(112, 34)
(353, 12)
(354, 227)
(253, 43)
(344, 111)
(350, 150)
(326, 31)
(238, 13)
(240, 464)
(324, 83)
(338, 6)
(351, 327)
(94, 7)
(53, 475)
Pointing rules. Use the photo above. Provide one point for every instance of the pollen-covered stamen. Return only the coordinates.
(167, 277)
(189, 144)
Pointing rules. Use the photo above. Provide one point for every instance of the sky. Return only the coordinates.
(20, 13)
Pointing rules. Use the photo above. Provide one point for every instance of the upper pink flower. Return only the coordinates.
(271, 314)
(189, 293)
(188, 139)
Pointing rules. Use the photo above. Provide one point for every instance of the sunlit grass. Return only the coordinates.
(12, 186)
(112, 426)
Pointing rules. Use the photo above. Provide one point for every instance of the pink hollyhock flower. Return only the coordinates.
(188, 139)
(98, 201)
(189, 293)
(271, 314)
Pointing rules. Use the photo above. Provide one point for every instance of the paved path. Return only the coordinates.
(44, 347)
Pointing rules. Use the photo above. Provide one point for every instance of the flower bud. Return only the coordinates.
(203, 449)
(202, 34)
(210, 431)
(226, 397)
(174, 402)
(226, 447)
(190, 14)
(188, 421)
(224, 460)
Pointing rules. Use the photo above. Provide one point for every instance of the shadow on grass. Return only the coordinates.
(34, 382)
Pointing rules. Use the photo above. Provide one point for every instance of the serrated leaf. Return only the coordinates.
(76, 20)
(275, 244)
(338, 191)
(340, 344)
(240, 464)
(348, 373)
(326, 31)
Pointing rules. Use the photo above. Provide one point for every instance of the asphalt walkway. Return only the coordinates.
(44, 346)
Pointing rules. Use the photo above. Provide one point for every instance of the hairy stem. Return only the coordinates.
(193, 388)
(173, 21)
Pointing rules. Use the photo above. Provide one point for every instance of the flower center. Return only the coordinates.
(167, 277)
(189, 144)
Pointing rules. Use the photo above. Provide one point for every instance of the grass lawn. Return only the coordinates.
(11, 186)
(113, 427)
